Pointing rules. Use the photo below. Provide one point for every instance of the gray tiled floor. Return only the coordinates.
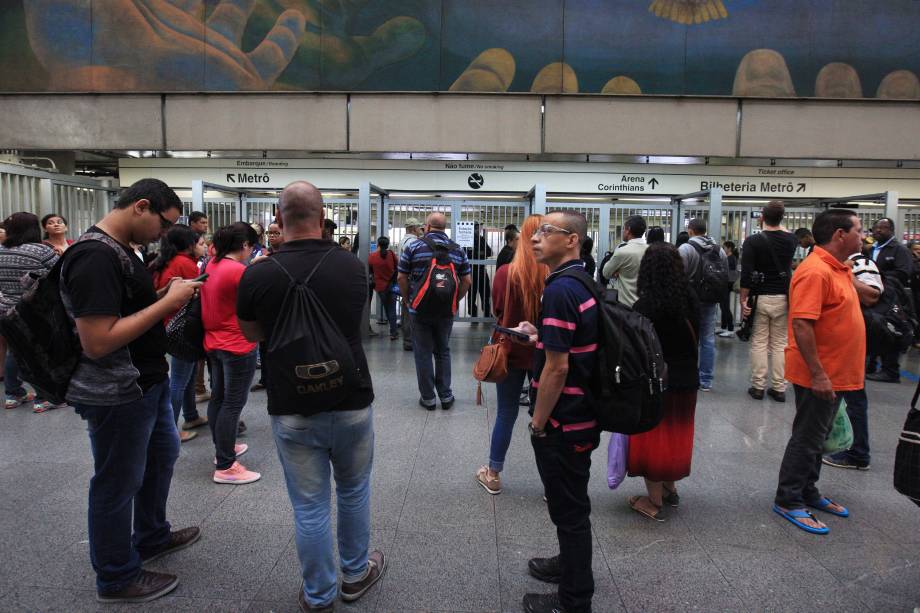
(453, 548)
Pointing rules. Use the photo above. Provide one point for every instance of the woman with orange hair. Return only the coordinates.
(521, 282)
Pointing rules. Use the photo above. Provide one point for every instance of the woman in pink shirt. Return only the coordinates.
(232, 357)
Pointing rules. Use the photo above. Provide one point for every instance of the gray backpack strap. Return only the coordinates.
(127, 265)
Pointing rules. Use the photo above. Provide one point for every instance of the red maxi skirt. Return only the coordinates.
(664, 452)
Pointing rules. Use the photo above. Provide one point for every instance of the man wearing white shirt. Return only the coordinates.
(623, 267)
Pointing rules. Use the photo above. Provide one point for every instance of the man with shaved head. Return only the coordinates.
(309, 434)
(431, 333)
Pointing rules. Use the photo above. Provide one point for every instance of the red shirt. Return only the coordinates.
(218, 308)
(509, 316)
(383, 265)
(183, 265)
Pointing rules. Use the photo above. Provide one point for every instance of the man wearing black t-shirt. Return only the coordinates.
(120, 388)
(316, 440)
(766, 269)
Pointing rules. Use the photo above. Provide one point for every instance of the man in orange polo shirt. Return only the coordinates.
(826, 355)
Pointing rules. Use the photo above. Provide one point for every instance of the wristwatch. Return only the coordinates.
(534, 431)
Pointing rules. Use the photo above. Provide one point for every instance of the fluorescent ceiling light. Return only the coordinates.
(410, 195)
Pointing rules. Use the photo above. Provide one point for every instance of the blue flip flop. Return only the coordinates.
(826, 502)
(795, 515)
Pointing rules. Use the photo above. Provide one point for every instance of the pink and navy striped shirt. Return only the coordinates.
(568, 324)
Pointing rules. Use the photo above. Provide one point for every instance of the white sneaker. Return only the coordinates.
(726, 334)
(236, 475)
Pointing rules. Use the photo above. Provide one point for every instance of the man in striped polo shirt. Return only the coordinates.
(562, 427)
(431, 335)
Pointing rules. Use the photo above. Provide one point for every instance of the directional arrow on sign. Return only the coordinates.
(230, 178)
(800, 187)
(653, 182)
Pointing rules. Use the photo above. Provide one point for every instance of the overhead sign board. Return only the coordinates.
(519, 177)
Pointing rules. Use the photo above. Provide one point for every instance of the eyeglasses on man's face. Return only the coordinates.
(548, 228)
(165, 224)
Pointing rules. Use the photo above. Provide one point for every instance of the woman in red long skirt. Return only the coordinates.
(662, 455)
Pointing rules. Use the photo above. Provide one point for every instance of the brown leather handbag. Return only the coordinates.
(492, 365)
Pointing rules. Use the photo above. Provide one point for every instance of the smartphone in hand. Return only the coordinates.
(512, 333)
(200, 278)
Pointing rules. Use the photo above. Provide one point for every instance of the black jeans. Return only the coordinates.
(801, 465)
(231, 376)
(482, 287)
(565, 468)
(135, 447)
(728, 318)
(858, 412)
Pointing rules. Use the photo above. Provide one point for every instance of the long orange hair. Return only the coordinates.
(525, 274)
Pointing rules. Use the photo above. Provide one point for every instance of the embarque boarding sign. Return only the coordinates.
(465, 234)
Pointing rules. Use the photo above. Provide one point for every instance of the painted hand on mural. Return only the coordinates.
(689, 11)
(331, 55)
(158, 45)
(493, 71)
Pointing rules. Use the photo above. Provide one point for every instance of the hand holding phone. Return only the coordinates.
(200, 278)
(516, 334)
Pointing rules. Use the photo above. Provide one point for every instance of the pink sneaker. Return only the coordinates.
(239, 449)
(236, 475)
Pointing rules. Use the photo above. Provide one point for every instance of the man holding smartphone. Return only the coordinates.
(563, 429)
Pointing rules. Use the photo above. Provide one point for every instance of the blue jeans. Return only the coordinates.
(858, 412)
(508, 394)
(307, 448)
(231, 377)
(11, 381)
(708, 314)
(182, 389)
(135, 447)
(388, 300)
(431, 338)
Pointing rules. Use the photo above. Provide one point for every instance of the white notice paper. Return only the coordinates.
(465, 234)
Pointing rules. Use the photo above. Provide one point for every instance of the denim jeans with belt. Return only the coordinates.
(135, 447)
(182, 389)
(312, 450)
(508, 394)
(431, 339)
(231, 377)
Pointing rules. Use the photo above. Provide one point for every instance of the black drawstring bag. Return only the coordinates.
(310, 364)
(907, 457)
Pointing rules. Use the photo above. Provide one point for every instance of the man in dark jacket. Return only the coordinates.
(894, 262)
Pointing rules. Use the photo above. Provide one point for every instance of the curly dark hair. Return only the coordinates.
(663, 284)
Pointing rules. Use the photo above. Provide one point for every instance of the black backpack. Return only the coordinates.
(711, 278)
(438, 293)
(631, 371)
(310, 365)
(40, 332)
(890, 322)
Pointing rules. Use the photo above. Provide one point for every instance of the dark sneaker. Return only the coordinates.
(545, 569)
(195, 423)
(407, 347)
(542, 603)
(841, 460)
(146, 587)
(430, 407)
(755, 393)
(777, 395)
(376, 564)
(447, 404)
(241, 428)
(881, 377)
(306, 608)
(178, 540)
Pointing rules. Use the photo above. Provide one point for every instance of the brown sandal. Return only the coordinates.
(659, 516)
